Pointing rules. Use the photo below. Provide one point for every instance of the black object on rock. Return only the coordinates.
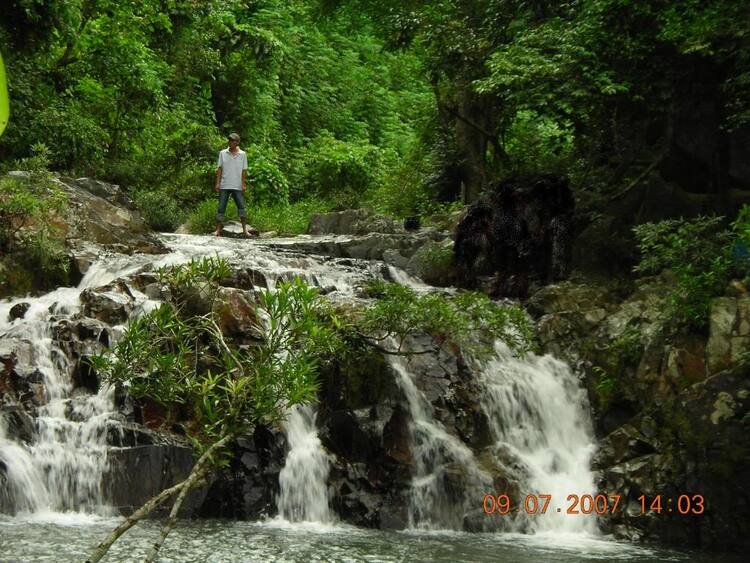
(18, 311)
(519, 232)
(412, 223)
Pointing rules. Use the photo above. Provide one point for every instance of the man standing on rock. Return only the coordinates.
(231, 180)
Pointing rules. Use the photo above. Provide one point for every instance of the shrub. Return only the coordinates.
(340, 170)
(702, 254)
(159, 210)
(202, 220)
(267, 184)
(291, 219)
(46, 257)
(33, 197)
(470, 320)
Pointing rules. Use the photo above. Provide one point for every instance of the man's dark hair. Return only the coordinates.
(233, 137)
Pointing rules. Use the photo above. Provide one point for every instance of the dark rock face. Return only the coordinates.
(519, 232)
(671, 411)
(248, 488)
(695, 443)
(140, 472)
(18, 311)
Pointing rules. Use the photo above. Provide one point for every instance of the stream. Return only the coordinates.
(53, 493)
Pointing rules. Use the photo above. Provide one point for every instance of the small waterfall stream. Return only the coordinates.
(446, 477)
(535, 406)
(61, 471)
(538, 414)
(303, 489)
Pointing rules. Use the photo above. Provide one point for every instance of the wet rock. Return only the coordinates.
(236, 314)
(138, 473)
(352, 222)
(433, 263)
(729, 336)
(111, 303)
(18, 311)
(19, 426)
(520, 231)
(246, 278)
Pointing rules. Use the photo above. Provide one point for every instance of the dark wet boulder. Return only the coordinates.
(18, 311)
(519, 233)
(111, 303)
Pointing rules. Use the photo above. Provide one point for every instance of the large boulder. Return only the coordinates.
(520, 232)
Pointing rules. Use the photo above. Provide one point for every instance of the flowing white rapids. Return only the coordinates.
(61, 470)
(303, 488)
(538, 415)
(446, 480)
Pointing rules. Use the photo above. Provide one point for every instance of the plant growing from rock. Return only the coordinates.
(702, 254)
(469, 320)
(178, 358)
(33, 197)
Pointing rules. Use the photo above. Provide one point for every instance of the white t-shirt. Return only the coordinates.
(232, 166)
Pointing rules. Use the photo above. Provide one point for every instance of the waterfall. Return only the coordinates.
(538, 414)
(447, 481)
(62, 469)
(538, 420)
(303, 489)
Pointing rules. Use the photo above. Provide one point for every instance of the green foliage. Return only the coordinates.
(605, 387)
(331, 168)
(4, 106)
(159, 210)
(291, 219)
(45, 256)
(197, 271)
(202, 220)
(267, 184)
(180, 359)
(698, 252)
(31, 198)
(285, 219)
(628, 345)
(469, 320)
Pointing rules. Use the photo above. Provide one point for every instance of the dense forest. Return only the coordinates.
(399, 106)
(602, 144)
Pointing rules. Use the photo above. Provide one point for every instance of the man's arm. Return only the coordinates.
(244, 180)
(218, 179)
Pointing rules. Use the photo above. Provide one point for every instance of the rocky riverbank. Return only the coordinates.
(670, 410)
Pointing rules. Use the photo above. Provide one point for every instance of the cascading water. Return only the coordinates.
(535, 407)
(303, 489)
(538, 416)
(446, 478)
(62, 469)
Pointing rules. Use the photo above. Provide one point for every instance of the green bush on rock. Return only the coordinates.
(702, 254)
(469, 320)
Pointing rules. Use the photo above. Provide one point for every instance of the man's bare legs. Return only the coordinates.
(217, 232)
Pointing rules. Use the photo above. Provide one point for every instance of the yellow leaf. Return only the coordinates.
(4, 107)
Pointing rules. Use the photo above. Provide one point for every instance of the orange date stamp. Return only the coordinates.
(600, 504)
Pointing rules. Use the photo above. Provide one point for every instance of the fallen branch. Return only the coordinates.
(196, 477)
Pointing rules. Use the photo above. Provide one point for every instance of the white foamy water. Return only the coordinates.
(446, 479)
(303, 482)
(538, 413)
(62, 469)
(536, 408)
